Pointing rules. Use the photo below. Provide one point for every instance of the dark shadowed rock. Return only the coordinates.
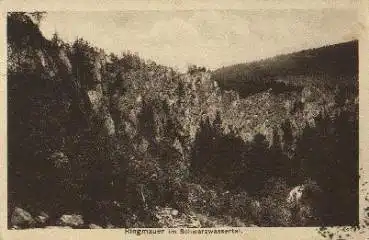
(72, 220)
(42, 218)
(59, 160)
(22, 218)
(110, 226)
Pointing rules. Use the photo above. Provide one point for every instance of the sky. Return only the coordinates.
(211, 38)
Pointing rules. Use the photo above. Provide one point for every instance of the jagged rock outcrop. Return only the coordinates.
(54, 111)
(94, 128)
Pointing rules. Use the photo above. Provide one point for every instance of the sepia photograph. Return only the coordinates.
(182, 119)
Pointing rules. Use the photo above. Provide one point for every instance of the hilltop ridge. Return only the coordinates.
(332, 63)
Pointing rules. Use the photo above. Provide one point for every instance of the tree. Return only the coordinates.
(38, 16)
(328, 154)
(192, 69)
(56, 41)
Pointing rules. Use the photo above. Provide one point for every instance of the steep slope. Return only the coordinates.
(56, 121)
(121, 140)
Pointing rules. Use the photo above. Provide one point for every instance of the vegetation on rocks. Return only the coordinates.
(101, 140)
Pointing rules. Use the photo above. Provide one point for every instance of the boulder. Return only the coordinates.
(42, 218)
(295, 195)
(72, 220)
(58, 227)
(94, 226)
(238, 223)
(110, 226)
(174, 212)
(21, 218)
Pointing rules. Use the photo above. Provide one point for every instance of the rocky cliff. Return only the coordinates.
(96, 130)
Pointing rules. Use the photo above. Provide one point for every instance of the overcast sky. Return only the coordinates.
(212, 38)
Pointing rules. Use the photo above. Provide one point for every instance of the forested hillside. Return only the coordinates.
(98, 139)
(332, 64)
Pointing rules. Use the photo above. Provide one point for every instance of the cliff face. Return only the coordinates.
(53, 111)
(93, 127)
